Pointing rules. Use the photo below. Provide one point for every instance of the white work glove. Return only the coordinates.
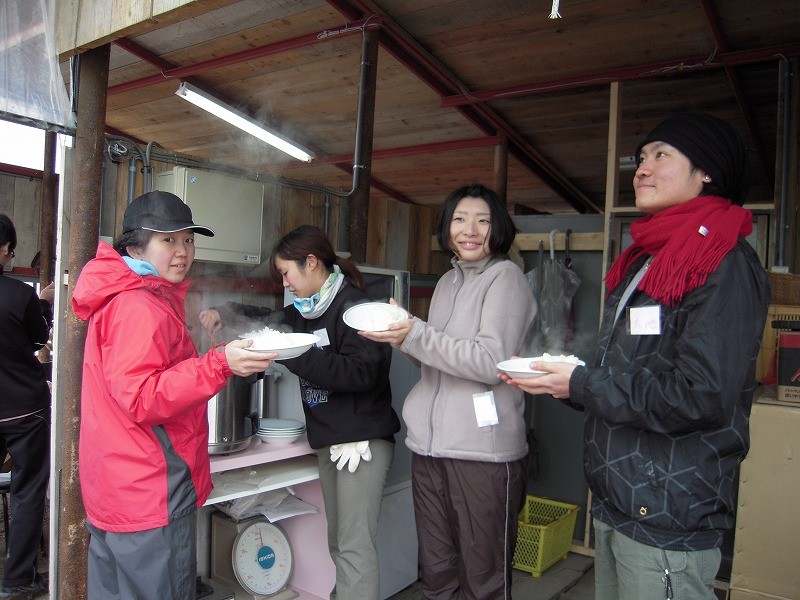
(350, 453)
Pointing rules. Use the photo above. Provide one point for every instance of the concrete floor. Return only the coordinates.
(568, 579)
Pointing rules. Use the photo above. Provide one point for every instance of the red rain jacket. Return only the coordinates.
(143, 455)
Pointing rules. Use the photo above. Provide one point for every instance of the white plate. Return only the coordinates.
(272, 423)
(518, 368)
(373, 316)
(280, 431)
(280, 441)
(292, 345)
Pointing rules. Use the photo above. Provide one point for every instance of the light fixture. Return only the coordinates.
(238, 119)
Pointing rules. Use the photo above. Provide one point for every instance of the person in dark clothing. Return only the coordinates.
(667, 400)
(347, 401)
(25, 322)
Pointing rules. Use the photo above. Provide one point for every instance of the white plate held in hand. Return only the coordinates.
(518, 368)
(373, 316)
(291, 345)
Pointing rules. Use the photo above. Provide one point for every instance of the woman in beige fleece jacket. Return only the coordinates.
(465, 426)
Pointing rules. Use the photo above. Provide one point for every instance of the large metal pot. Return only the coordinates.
(233, 414)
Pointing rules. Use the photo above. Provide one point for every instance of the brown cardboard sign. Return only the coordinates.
(789, 367)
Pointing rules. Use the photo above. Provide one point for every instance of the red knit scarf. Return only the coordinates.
(682, 255)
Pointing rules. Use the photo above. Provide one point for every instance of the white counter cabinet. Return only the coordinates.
(275, 467)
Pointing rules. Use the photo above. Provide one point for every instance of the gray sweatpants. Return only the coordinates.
(628, 570)
(352, 506)
(144, 565)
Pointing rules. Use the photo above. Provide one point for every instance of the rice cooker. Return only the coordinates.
(234, 413)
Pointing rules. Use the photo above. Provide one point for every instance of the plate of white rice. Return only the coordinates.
(519, 368)
(287, 345)
(373, 316)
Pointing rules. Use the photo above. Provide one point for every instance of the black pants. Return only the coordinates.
(466, 514)
(27, 440)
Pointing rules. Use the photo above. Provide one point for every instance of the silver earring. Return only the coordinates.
(707, 179)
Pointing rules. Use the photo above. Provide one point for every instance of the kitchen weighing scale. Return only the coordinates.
(253, 556)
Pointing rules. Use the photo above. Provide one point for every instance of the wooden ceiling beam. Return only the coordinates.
(378, 185)
(698, 63)
(406, 50)
(401, 151)
(8, 169)
(744, 107)
(168, 67)
(170, 71)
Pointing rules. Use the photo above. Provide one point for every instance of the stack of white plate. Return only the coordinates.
(280, 432)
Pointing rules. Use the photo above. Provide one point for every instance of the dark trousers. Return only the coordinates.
(466, 514)
(27, 440)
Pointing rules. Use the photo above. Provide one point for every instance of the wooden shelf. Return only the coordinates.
(625, 210)
(759, 207)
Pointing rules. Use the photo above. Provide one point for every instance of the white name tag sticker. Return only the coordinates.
(324, 340)
(485, 410)
(645, 320)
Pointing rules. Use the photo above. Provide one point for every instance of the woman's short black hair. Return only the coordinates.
(138, 238)
(502, 231)
(8, 233)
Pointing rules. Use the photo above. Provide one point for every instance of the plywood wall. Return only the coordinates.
(20, 200)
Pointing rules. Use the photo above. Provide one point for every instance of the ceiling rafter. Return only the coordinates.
(660, 69)
(379, 185)
(157, 61)
(170, 71)
(712, 17)
(410, 54)
(404, 48)
(406, 150)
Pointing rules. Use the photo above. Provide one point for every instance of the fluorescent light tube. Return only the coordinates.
(210, 104)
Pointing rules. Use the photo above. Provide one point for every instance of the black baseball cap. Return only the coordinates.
(162, 212)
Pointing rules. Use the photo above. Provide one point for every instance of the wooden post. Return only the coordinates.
(47, 217)
(85, 215)
(359, 200)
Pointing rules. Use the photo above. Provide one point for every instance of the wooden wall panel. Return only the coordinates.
(7, 195)
(388, 240)
(20, 200)
(27, 216)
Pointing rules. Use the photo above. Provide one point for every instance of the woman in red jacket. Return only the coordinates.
(144, 465)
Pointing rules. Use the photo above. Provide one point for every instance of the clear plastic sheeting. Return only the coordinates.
(32, 89)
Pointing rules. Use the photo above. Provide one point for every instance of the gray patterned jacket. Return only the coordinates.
(666, 421)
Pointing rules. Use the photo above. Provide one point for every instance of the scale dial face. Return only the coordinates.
(262, 558)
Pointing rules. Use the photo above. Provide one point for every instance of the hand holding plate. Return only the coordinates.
(554, 381)
(243, 362)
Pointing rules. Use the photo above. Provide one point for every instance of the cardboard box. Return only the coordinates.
(766, 366)
(789, 367)
(768, 513)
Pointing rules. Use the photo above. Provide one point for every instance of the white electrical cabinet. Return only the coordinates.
(232, 206)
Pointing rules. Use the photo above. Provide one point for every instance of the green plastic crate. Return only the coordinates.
(544, 535)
